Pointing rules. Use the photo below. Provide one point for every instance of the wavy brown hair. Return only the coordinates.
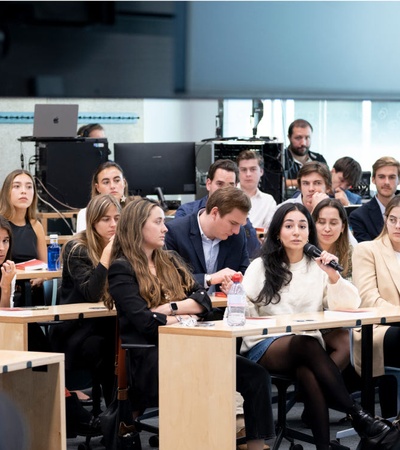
(7, 209)
(343, 249)
(5, 225)
(173, 278)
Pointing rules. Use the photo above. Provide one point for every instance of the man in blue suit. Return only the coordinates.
(223, 172)
(367, 220)
(212, 241)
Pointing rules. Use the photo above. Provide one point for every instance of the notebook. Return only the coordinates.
(55, 121)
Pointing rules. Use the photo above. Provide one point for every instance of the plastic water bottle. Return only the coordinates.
(53, 253)
(236, 308)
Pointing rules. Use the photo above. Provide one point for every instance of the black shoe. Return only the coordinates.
(93, 428)
(366, 425)
(80, 421)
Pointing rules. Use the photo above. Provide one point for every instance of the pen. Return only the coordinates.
(305, 320)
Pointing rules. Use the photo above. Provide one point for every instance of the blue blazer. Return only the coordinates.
(253, 244)
(366, 221)
(184, 237)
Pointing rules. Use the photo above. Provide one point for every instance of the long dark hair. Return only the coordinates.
(5, 225)
(273, 254)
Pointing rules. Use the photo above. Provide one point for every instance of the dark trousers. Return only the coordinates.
(253, 383)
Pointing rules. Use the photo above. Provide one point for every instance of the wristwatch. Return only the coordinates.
(174, 308)
(208, 280)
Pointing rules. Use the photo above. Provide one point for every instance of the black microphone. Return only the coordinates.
(314, 252)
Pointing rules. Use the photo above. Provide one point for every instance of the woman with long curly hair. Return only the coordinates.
(283, 281)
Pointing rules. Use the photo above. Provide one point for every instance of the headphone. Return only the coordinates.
(87, 129)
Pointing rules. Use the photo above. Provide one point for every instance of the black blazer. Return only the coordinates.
(366, 221)
(184, 237)
(139, 325)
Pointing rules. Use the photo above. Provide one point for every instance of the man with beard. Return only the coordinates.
(298, 151)
(367, 220)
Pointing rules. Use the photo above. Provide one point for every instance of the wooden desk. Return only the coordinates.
(193, 361)
(44, 216)
(14, 323)
(218, 302)
(30, 274)
(40, 395)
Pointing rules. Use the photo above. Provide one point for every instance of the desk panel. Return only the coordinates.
(200, 390)
(190, 354)
(40, 395)
(14, 322)
(30, 274)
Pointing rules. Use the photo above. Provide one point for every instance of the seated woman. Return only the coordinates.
(283, 281)
(8, 271)
(89, 343)
(18, 204)
(153, 287)
(108, 179)
(376, 275)
(333, 236)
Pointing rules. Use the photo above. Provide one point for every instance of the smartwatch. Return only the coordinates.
(208, 280)
(174, 308)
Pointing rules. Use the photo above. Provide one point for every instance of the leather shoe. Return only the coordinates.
(79, 421)
(366, 425)
(242, 433)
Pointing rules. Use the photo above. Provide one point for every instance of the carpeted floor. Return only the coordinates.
(294, 421)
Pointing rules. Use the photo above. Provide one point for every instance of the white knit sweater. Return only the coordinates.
(310, 290)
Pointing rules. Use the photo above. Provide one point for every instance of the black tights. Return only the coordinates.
(318, 378)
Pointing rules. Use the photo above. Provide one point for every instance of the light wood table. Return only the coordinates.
(40, 395)
(31, 274)
(197, 373)
(14, 322)
(218, 301)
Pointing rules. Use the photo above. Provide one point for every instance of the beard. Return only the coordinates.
(300, 151)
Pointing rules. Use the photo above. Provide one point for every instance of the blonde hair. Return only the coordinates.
(173, 278)
(89, 239)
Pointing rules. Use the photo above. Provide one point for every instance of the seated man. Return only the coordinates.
(367, 220)
(263, 205)
(298, 152)
(212, 241)
(346, 173)
(314, 181)
(223, 172)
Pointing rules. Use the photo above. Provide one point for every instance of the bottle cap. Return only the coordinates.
(53, 238)
(237, 278)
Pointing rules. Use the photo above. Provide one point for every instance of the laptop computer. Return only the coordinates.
(55, 121)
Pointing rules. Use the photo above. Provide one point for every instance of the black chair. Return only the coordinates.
(140, 422)
(285, 402)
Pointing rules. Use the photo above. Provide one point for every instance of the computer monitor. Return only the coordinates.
(147, 166)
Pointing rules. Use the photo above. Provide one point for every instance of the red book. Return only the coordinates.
(32, 264)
